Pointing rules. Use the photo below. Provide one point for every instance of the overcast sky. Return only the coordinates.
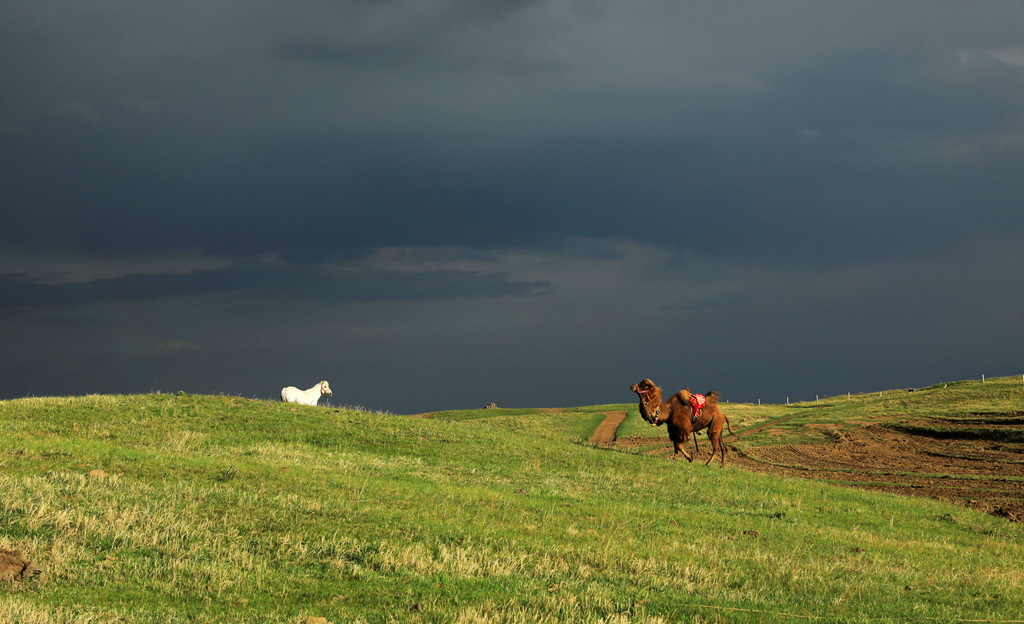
(439, 204)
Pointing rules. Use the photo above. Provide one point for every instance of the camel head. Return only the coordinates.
(650, 400)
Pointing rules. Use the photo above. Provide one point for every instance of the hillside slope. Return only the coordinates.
(168, 508)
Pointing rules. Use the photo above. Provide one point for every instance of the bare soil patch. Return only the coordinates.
(977, 462)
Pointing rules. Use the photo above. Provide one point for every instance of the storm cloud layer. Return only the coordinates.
(439, 204)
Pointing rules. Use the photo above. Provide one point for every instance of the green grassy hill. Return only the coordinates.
(184, 508)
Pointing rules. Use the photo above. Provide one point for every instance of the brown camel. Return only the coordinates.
(678, 414)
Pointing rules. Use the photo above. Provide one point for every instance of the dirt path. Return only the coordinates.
(604, 435)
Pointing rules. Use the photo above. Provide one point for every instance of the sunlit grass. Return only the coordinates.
(220, 509)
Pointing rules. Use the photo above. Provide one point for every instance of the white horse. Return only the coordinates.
(291, 394)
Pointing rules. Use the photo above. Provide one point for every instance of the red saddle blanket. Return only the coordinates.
(697, 401)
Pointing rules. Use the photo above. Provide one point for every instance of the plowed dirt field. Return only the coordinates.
(975, 461)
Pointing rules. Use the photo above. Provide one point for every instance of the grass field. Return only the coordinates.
(223, 509)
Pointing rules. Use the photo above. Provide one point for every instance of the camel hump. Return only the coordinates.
(712, 397)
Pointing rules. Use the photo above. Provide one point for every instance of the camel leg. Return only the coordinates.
(678, 435)
(681, 451)
(716, 445)
(714, 452)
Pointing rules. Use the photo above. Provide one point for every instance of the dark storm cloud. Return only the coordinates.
(752, 134)
(385, 34)
(404, 176)
(294, 284)
(815, 204)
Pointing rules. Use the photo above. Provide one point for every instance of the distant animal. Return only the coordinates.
(684, 415)
(291, 394)
(14, 566)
